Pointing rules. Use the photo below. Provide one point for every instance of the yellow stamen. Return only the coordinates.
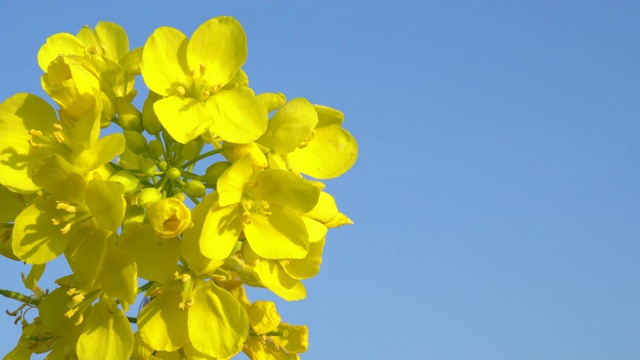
(65, 229)
(33, 144)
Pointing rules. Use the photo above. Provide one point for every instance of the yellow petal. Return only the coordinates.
(107, 332)
(62, 43)
(156, 258)
(263, 317)
(190, 245)
(164, 61)
(291, 125)
(231, 183)
(277, 280)
(162, 324)
(330, 154)
(282, 235)
(238, 117)
(218, 324)
(114, 39)
(86, 254)
(106, 203)
(184, 118)
(119, 276)
(219, 45)
(220, 231)
(36, 239)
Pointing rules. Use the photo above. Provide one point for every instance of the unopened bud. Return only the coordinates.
(129, 117)
(174, 173)
(189, 151)
(156, 148)
(149, 196)
(136, 142)
(127, 179)
(148, 167)
(194, 188)
(213, 172)
(150, 120)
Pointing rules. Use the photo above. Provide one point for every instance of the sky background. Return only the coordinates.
(496, 195)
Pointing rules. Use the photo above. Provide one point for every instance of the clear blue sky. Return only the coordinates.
(496, 197)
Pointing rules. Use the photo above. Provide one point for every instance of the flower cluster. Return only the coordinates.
(204, 191)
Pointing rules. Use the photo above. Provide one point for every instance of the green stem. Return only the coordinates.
(132, 319)
(190, 175)
(17, 296)
(202, 156)
(146, 286)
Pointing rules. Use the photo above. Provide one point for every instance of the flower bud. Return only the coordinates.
(136, 142)
(150, 120)
(174, 173)
(127, 179)
(194, 188)
(189, 151)
(169, 217)
(149, 196)
(156, 148)
(148, 167)
(129, 118)
(213, 172)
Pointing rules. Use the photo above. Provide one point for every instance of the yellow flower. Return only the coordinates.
(199, 78)
(196, 311)
(169, 217)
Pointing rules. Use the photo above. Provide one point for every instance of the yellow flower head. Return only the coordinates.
(169, 217)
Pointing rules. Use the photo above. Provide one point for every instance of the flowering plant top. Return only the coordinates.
(116, 206)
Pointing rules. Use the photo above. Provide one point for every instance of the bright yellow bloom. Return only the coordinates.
(169, 217)
(196, 79)
(192, 310)
(309, 139)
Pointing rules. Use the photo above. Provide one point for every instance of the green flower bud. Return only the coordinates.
(174, 173)
(127, 179)
(149, 196)
(194, 188)
(150, 120)
(189, 151)
(156, 148)
(148, 167)
(136, 142)
(213, 172)
(129, 118)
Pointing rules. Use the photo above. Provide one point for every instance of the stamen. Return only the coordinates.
(33, 144)
(181, 90)
(80, 320)
(66, 207)
(57, 127)
(65, 229)
(246, 217)
(58, 136)
(34, 132)
(202, 69)
(69, 314)
(265, 204)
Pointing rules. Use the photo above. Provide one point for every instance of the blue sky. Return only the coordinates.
(495, 197)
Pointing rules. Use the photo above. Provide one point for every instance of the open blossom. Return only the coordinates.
(135, 205)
